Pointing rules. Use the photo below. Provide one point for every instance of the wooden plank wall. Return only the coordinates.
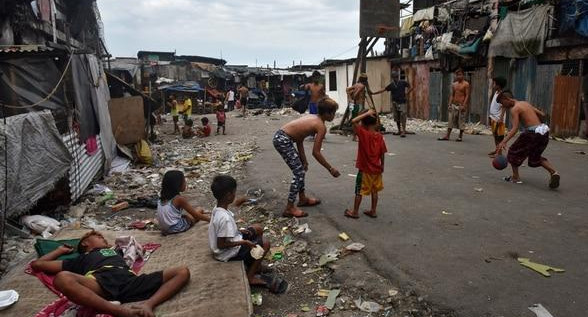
(566, 106)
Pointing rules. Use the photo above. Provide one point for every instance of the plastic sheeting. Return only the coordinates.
(424, 14)
(37, 159)
(521, 34)
(573, 16)
(83, 90)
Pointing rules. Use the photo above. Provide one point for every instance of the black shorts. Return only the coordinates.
(245, 251)
(220, 124)
(176, 118)
(243, 102)
(124, 286)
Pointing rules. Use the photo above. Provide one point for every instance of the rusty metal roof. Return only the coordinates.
(24, 48)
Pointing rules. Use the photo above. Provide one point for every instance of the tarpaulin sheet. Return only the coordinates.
(37, 159)
(424, 14)
(83, 90)
(521, 34)
(573, 15)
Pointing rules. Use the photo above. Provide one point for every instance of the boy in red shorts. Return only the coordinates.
(370, 162)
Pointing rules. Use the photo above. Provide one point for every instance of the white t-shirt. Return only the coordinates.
(231, 96)
(495, 108)
(223, 225)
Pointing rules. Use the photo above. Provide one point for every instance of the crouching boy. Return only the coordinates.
(99, 275)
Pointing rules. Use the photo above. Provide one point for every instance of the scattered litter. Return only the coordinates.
(540, 311)
(287, 240)
(98, 189)
(356, 246)
(300, 246)
(539, 268)
(256, 299)
(310, 271)
(304, 308)
(120, 206)
(304, 228)
(332, 298)
(446, 212)
(352, 175)
(367, 306)
(7, 298)
(327, 258)
(580, 152)
(574, 140)
(343, 236)
(43, 225)
(322, 311)
(323, 292)
(277, 256)
(458, 167)
(393, 292)
(479, 190)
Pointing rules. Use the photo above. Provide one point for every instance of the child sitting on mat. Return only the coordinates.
(171, 203)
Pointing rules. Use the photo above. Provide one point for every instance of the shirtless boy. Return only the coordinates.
(458, 105)
(295, 132)
(532, 141)
(356, 97)
(317, 92)
(243, 95)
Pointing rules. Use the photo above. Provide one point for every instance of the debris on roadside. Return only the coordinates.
(356, 246)
(343, 236)
(540, 311)
(539, 268)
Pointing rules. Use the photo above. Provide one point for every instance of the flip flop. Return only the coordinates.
(554, 181)
(370, 214)
(458, 140)
(510, 180)
(350, 214)
(443, 139)
(310, 202)
(302, 214)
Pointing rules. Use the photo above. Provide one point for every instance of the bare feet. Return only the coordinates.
(136, 310)
(351, 214)
(370, 213)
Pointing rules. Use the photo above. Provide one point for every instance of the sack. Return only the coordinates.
(144, 153)
(45, 226)
(301, 104)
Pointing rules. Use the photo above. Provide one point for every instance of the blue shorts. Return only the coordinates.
(181, 226)
(313, 108)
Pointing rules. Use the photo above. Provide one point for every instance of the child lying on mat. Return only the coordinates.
(99, 275)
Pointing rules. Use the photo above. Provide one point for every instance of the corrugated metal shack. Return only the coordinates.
(541, 48)
(53, 95)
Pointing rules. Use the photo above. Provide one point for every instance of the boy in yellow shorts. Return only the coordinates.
(370, 162)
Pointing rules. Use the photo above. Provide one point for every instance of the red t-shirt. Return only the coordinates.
(220, 117)
(370, 149)
(206, 129)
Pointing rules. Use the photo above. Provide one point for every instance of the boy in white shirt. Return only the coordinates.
(227, 242)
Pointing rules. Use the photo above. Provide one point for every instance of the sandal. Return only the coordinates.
(458, 140)
(370, 214)
(309, 202)
(443, 139)
(348, 213)
(511, 180)
(554, 181)
(275, 284)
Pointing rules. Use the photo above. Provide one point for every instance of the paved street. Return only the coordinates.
(459, 258)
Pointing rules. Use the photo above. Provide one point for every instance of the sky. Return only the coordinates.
(244, 32)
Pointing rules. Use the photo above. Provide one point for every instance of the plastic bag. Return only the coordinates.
(144, 153)
(45, 226)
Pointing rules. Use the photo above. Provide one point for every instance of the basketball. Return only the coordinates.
(500, 162)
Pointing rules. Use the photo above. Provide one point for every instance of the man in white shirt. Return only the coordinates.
(230, 99)
(497, 114)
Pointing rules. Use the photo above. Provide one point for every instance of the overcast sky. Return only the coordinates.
(245, 31)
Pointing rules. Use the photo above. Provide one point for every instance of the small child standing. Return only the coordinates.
(169, 207)
(370, 162)
(221, 118)
(229, 243)
(205, 130)
(187, 131)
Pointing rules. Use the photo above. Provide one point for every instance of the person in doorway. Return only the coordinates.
(317, 92)
(230, 98)
(370, 162)
(295, 132)
(100, 275)
(497, 114)
(173, 104)
(458, 105)
(399, 91)
(356, 96)
(243, 97)
(532, 141)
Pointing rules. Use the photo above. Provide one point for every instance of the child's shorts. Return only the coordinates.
(176, 118)
(220, 124)
(245, 251)
(124, 286)
(181, 226)
(367, 184)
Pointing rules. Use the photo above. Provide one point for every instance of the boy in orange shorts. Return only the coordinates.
(370, 162)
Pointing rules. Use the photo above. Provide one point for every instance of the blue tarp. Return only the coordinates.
(573, 15)
(193, 87)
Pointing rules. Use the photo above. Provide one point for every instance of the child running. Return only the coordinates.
(228, 243)
(169, 208)
(370, 162)
(221, 118)
(99, 275)
(295, 132)
(204, 131)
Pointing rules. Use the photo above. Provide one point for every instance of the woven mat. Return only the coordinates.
(215, 289)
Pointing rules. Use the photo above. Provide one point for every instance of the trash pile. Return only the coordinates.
(430, 126)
